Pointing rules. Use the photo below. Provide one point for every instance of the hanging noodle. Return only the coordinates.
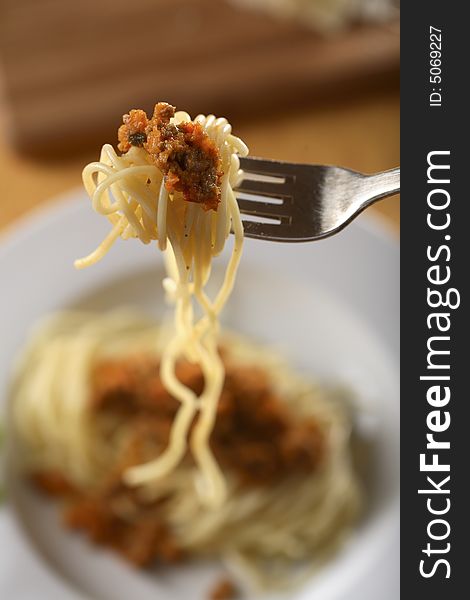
(131, 192)
(263, 529)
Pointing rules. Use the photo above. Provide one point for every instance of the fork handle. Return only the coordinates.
(381, 185)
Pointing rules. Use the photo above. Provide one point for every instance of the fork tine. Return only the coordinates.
(263, 166)
(261, 231)
(310, 203)
(265, 188)
(264, 209)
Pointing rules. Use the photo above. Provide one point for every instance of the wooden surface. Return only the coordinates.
(361, 132)
(70, 67)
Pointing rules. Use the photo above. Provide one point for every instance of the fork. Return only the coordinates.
(290, 202)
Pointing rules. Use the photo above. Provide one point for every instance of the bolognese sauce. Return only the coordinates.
(188, 158)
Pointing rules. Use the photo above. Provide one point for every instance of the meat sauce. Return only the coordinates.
(184, 153)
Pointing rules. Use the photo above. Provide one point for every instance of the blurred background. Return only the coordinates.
(300, 80)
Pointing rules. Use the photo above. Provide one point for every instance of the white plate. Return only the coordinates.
(332, 307)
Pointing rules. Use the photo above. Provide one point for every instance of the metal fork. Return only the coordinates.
(290, 202)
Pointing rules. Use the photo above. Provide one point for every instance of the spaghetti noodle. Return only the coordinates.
(173, 184)
(132, 192)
